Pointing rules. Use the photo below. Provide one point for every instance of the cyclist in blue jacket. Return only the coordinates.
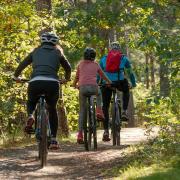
(119, 78)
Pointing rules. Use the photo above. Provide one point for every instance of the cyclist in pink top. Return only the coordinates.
(85, 81)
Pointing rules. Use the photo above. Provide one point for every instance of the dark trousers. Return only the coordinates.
(106, 98)
(51, 91)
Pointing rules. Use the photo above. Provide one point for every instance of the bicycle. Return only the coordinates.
(42, 130)
(89, 125)
(116, 117)
(116, 114)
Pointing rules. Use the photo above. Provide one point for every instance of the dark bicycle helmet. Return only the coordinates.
(115, 46)
(49, 37)
(89, 54)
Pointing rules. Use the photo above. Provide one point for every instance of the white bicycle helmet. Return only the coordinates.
(49, 37)
(115, 46)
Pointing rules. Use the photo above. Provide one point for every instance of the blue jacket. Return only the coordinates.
(124, 65)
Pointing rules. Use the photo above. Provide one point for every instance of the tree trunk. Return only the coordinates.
(147, 71)
(44, 8)
(63, 123)
(152, 71)
(131, 111)
(164, 80)
(43, 5)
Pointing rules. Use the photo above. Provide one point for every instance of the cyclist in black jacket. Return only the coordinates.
(46, 61)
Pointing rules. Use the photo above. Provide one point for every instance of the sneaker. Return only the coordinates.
(99, 114)
(124, 116)
(28, 128)
(54, 145)
(106, 137)
(80, 138)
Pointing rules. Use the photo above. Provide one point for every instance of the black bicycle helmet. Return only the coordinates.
(89, 54)
(49, 37)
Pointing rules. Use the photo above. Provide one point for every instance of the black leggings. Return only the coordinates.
(51, 91)
(106, 97)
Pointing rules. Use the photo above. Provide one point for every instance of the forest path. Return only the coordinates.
(71, 161)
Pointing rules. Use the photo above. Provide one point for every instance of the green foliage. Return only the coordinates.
(161, 168)
(148, 162)
(71, 102)
(19, 26)
(161, 112)
(143, 26)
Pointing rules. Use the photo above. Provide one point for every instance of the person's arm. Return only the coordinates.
(102, 68)
(101, 62)
(27, 61)
(66, 65)
(130, 72)
(103, 76)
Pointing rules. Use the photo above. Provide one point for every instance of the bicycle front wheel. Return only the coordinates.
(94, 131)
(43, 140)
(113, 128)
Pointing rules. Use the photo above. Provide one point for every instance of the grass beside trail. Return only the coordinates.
(22, 140)
(148, 162)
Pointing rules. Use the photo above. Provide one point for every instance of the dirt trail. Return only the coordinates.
(70, 162)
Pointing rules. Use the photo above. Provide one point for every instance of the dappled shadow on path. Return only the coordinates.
(71, 162)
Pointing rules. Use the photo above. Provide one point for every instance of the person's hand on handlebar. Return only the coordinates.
(75, 86)
(131, 86)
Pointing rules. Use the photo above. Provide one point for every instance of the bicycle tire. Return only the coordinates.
(89, 123)
(118, 136)
(94, 125)
(85, 133)
(37, 128)
(113, 128)
(43, 140)
(118, 129)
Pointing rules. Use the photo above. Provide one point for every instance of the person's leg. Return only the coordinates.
(106, 97)
(84, 91)
(33, 96)
(82, 113)
(52, 96)
(51, 91)
(99, 111)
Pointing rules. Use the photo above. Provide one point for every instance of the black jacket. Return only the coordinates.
(46, 61)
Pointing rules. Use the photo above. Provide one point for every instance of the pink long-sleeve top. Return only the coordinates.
(87, 72)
